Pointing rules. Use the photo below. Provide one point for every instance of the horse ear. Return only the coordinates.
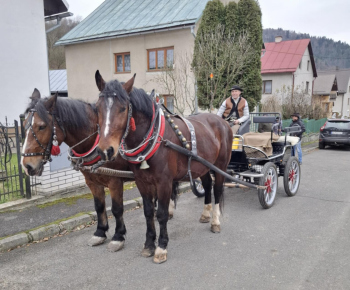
(36, 95)
(50, 104)
(129, 84)
(99, 81)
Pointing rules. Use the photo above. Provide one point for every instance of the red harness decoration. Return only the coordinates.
(98, 157)
(161, 133)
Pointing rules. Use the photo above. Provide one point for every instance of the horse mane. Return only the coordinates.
(139, 99)
(73, 113)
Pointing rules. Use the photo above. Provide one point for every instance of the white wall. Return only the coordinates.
(23, 56)
(302, 75)
(279, 82)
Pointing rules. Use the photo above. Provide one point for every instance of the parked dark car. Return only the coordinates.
(335, 132)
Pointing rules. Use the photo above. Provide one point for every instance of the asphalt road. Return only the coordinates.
(302, 242)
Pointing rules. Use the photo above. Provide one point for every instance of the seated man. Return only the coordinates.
(234, 109)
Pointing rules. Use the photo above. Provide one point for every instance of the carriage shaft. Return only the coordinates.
(208, 164)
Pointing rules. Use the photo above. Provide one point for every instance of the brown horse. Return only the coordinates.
(120, 107)
(74, 121)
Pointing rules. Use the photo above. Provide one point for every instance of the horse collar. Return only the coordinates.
(151, 142)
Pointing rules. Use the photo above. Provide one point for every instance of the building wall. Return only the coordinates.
(346, 108)
(23, 55)
(84, 59)
(302, 75)
(281, 82)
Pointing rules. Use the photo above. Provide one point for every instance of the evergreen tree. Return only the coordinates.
(249, 20)
(231, 18)
(213, 15)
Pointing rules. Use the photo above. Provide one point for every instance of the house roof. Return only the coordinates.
(343, 77)
(323, 84)
(117, 18)
(285, 56)
(55, 6)
(58, 81)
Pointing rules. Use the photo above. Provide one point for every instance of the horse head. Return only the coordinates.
(38, 133)
(113, 109)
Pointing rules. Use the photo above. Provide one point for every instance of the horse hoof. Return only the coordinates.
(160, 256)
(115, 246)
(147, 253)
(204, 219)
(171, 215)
(215, 228)
(95, 241)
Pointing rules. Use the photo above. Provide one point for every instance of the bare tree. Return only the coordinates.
(56, 54)
(178, 80)
(286, 102)
(219, 61)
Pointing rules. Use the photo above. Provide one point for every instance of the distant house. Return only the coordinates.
(58, 82)
(287, 65)
(124, 37)
(342, 101)
(325, 92)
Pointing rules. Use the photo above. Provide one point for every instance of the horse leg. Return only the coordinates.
(164, 194)
(148, 209)
(118, 240)
(102, 221)
(174, 195)
(218, 195)
(207, 184)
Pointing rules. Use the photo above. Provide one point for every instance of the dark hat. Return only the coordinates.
(295, 114)
(236, 88)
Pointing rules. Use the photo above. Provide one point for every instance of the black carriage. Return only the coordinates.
(254, 165)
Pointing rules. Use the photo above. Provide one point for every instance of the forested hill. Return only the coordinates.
(328, 53)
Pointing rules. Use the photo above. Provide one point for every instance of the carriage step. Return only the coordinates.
(250, 174)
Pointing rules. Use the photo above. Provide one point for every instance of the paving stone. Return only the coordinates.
(74, 222)
(13, 242)
(45, 232)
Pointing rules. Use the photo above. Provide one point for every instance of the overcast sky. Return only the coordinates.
(329, 18)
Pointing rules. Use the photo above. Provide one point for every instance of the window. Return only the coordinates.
(169, 102)
(159, 58)
(349, 89)
(267, 87)
(348, 101)
(122, 62)
(308, 65)
(300, 64)
(307, 88)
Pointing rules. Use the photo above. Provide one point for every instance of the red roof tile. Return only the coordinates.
(283, 56)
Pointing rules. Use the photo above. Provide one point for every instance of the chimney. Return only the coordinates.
(278, 39)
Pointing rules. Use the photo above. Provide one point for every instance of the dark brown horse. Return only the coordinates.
(78, 120)
(214, 141)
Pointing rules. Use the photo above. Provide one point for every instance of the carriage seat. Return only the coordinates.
(244, 128)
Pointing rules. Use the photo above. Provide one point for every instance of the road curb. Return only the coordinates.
(310, 149)
(48, 231)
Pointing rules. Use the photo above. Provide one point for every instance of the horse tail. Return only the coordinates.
(175, 192)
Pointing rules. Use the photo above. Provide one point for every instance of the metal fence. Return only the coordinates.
(13, 182)
(311, 126)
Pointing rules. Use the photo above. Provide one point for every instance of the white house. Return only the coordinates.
(287, 65)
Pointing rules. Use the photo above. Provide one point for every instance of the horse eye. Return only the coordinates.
(122, 109)
(42, 128)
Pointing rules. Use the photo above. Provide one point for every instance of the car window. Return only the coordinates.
(338, 125)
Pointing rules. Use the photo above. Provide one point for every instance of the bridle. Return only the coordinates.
(53, 139)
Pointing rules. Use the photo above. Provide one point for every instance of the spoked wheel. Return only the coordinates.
(270, 180)
(291, 178)
(198, 189)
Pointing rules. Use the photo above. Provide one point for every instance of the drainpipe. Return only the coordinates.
(195, 84)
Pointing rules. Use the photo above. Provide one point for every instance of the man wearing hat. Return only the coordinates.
(234, 109)
(296, 121)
